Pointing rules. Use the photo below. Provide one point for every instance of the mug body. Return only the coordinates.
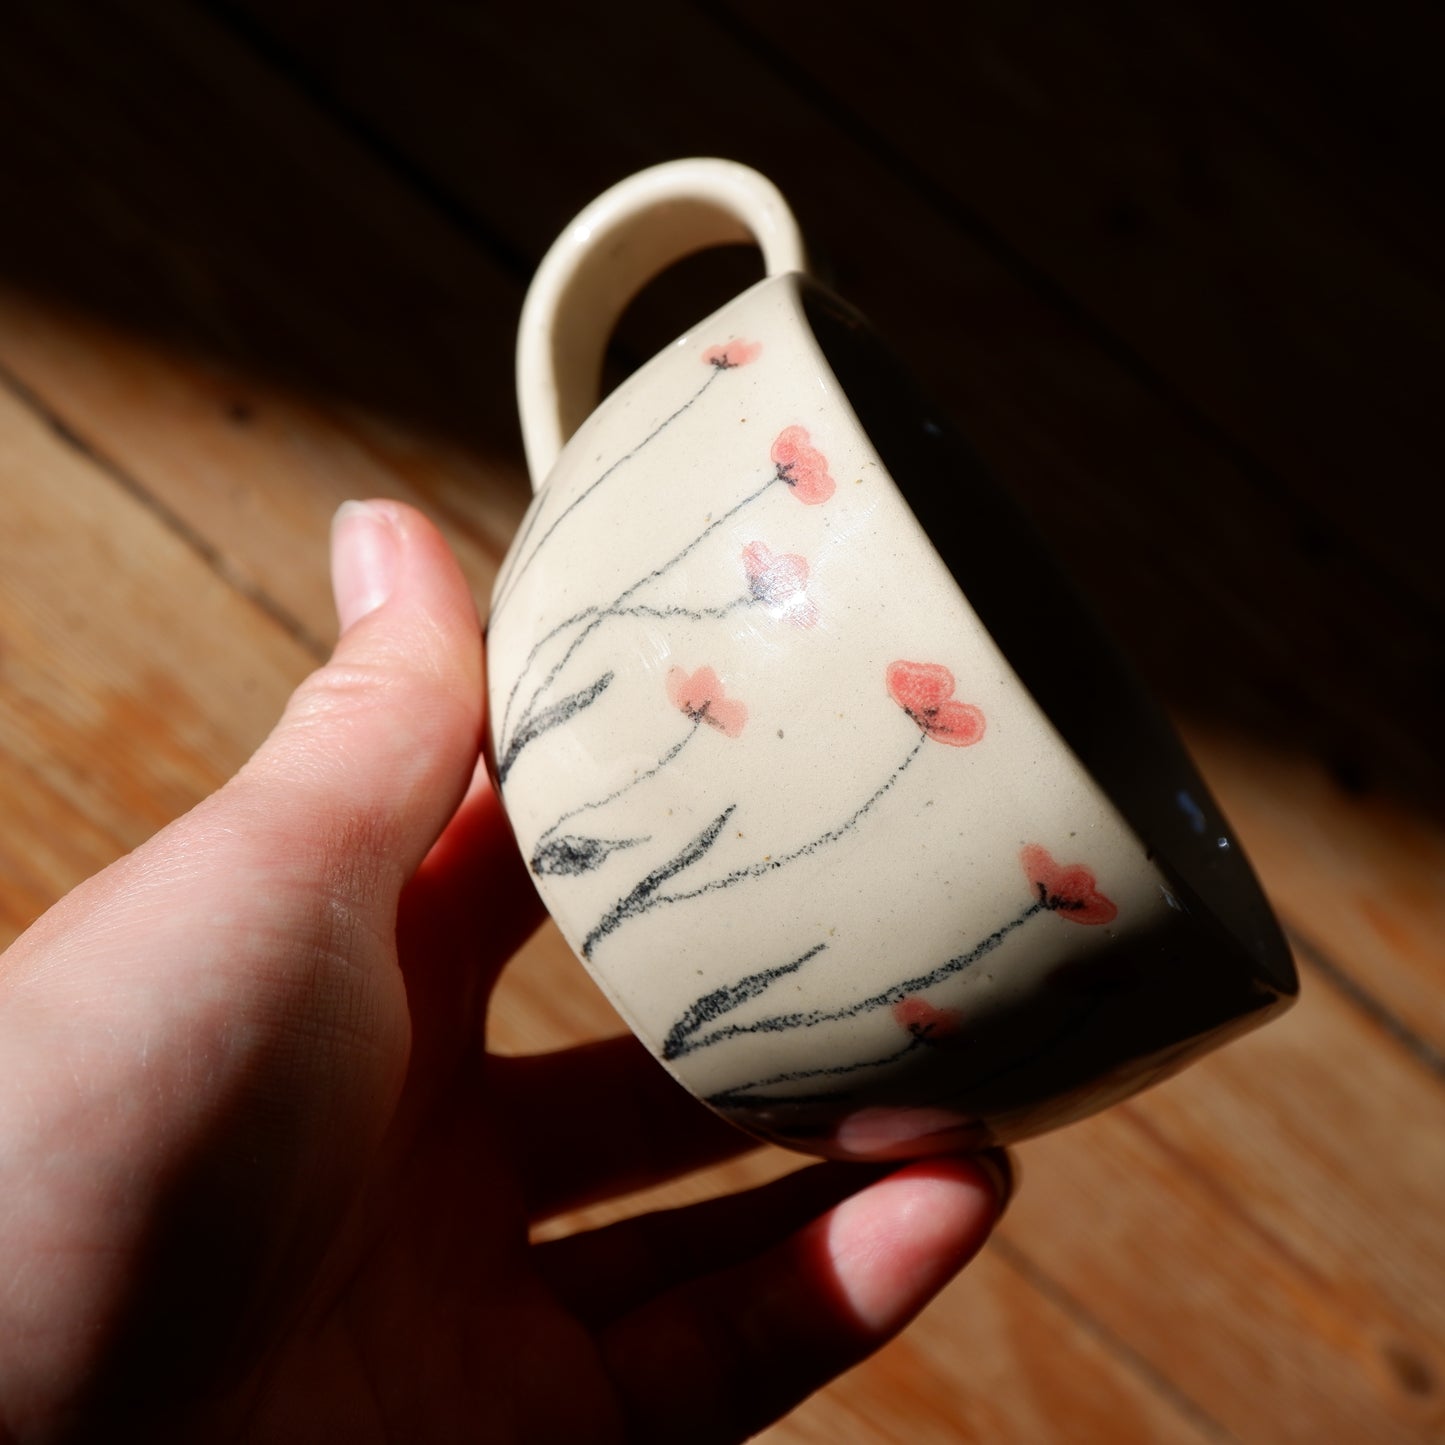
(836, 789)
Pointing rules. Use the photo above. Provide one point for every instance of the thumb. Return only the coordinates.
(376, 748)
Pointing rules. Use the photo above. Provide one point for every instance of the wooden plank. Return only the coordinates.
(1358, 877)
(133, 680)
(1252, 622)
(54, 848)
(292, 280)
(1264, 1231)
(974, 1371)
(1103, 150)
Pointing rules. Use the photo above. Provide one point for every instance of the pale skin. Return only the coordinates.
(259, 1179)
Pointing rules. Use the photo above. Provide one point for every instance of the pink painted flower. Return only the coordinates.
(1070, 891)
(701, 695)
(732, 353)
(928, 1024)
(924, 690)
(802, 466)
(780, 581)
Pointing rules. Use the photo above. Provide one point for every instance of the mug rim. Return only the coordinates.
(917, 443)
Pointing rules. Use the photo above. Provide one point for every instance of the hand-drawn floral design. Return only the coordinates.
(707, 1010)
(520, 557)
(572, 854)
(637, 899)
(802, 466)
(1068, 890)
(701, 696)
(780, 581)
(595, 616)
(547, 718)
(927, 1024)
(732, 353)
(924, 690)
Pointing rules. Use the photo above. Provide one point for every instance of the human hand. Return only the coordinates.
(260, 1180)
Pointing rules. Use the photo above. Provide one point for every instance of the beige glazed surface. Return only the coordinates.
(779, 787)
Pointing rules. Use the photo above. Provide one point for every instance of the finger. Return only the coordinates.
(376, 748)
(602, 1274)
(600, 1120)
(718, 1358)
(469, 908)
(476, 853)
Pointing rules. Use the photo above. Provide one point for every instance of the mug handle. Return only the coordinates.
(627, 236)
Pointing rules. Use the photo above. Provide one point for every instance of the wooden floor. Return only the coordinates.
(1177, 271)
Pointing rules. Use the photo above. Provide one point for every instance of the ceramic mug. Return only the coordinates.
(819, 766)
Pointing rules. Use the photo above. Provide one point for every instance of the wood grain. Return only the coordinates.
(1356, 877)
(135, 680)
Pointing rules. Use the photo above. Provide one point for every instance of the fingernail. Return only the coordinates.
(364, 549)
(1001, 1170)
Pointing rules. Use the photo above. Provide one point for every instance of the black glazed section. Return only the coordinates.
(1100, 1027)
(1095, 1030)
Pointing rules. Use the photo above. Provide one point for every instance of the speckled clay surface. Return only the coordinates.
(777, 784)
